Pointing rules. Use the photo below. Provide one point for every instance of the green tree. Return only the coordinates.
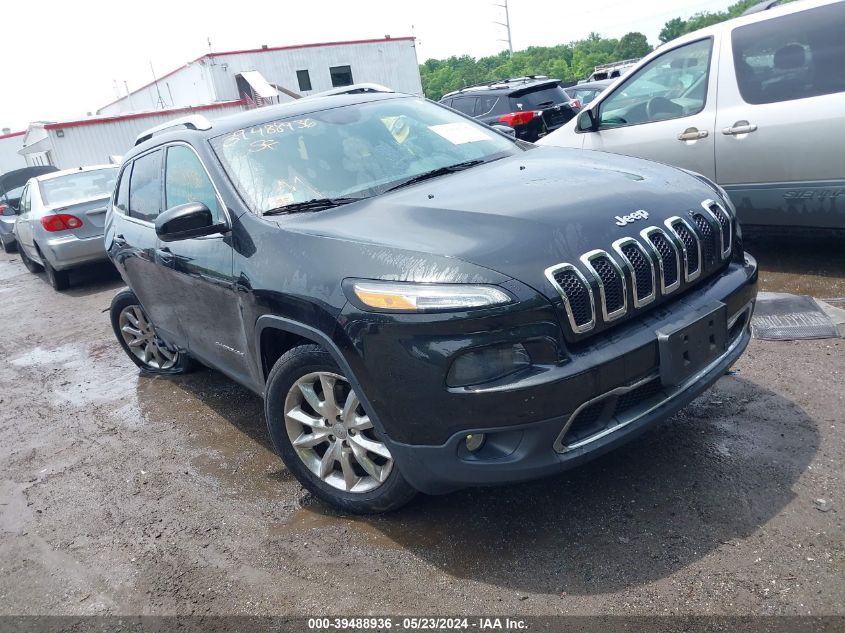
(632, 45)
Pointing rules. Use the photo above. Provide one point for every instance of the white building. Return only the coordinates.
(91, 141)
(10, 143)
(303, 69)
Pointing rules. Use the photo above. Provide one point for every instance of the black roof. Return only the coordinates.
(18, 177)
(506, 86)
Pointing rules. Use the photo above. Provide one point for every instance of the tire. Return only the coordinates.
(31, 266)
(337, 441)
(59, 279)
(152, 355)
(10, 247)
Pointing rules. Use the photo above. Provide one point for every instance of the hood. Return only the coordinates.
(521, 214)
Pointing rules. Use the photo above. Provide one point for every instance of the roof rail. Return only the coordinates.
(191, 122)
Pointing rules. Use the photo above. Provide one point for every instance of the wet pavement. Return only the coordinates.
(128, 494)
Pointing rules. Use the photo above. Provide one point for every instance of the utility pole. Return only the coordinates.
(506, 24)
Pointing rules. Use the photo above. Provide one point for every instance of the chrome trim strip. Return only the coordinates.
(669, 394)
(578, 329)
(629, 265)
(664, 289)
(725, 243)
(587, 259)
(670, 225)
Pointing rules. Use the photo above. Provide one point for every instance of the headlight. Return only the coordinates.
(410, 297)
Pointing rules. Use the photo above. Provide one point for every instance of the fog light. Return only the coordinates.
(486, 364)
(475, 442)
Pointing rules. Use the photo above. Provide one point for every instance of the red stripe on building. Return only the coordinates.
(59, 125)
(12, 134)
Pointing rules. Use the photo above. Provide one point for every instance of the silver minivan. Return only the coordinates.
(756, 104)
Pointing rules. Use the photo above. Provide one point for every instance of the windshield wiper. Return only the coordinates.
(434, 173)
(317, 204)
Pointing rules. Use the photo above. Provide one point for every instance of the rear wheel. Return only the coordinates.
(59, 279)
(325, 437)
(31, 266)
(138, 338)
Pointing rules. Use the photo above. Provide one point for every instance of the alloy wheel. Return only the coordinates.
(333, 435)
(141, 339)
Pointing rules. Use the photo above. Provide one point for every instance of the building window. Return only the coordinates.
(341, 76)
(304, 80)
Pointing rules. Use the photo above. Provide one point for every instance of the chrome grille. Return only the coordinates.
(718, 213)
(611, 282)
(690, 244)
(652, 265)
(640, 268)
(708, 237)
(576, 294)
(669, 261)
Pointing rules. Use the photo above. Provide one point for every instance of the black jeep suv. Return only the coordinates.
(532, 106)
(424, 303)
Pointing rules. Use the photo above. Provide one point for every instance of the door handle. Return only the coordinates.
(740, 127)
(165, 256)
(119, 241)
(692, 134)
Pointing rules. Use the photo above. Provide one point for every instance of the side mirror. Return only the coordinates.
(186, 221)
(504, 129)
(588, 120)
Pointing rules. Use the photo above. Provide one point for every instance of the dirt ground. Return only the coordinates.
(123, 494)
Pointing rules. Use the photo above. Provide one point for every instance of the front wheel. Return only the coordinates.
(10, 246)
(325, 437)
(138, 338)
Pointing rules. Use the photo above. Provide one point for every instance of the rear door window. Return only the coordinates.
(465, 104)
(145, 187)
(185, 180)
(791, 57)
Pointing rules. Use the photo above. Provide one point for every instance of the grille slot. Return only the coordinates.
(611, 282)
(718, 213)
(709, 239)
(611, 279)
(692, 254)
(576, 294)
(639, 267)
(667, 256)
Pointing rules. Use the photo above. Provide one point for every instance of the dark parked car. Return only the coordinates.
(414, 297)
(532, 106)
(589, 90)
(11, 187)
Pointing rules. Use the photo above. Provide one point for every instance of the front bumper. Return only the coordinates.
(533, 454)
(523, 422)
(69, 251)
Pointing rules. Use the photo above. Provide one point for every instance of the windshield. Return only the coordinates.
(353, 151)
(79, 186)
(538, 99)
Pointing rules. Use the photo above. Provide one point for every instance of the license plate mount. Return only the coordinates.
(690, 345)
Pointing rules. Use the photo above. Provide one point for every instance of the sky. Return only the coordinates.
(63, 61)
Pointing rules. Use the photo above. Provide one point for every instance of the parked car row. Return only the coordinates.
(59, 220)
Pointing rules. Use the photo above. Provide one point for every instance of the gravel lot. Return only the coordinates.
(124, 494)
